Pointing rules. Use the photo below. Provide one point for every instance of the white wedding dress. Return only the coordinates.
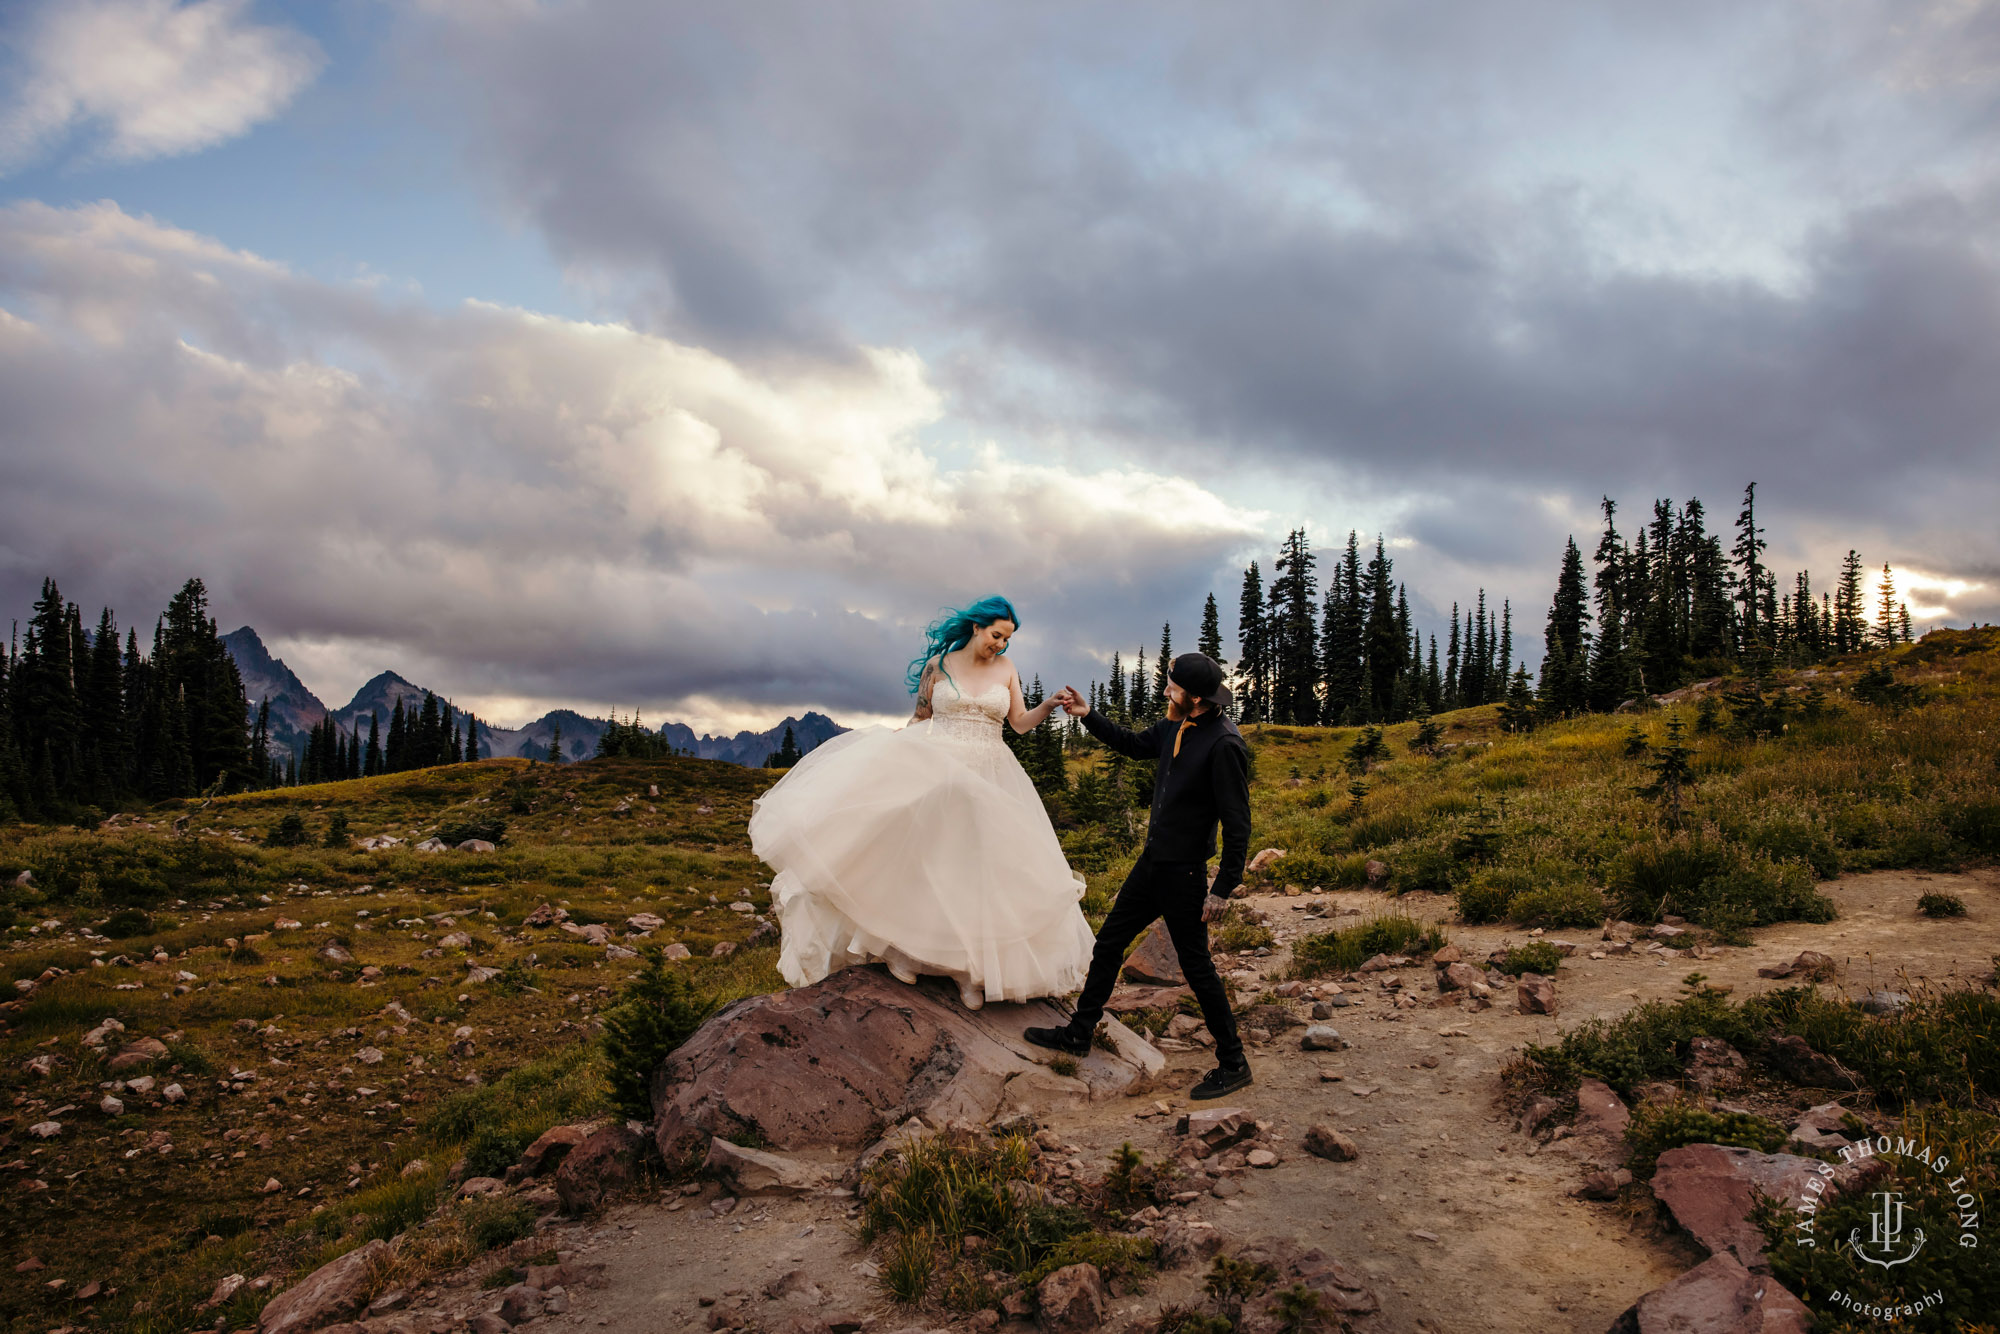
(925, 847)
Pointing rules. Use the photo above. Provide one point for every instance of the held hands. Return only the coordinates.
(1072, 702)
(1213, 907)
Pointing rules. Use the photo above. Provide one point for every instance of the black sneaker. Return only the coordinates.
(1221, 1081)
(1059, 1039)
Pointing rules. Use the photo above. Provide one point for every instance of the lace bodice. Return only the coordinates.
(974, 718)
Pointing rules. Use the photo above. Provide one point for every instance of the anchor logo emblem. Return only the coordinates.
(1885, 1233)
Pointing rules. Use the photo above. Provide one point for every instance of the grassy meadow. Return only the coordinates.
(320, 1015)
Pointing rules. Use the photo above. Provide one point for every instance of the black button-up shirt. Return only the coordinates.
(1207, 784)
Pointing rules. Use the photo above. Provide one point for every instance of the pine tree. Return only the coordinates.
(1253, 664)
(1453, 696)
(1382, 643)
(787, 753)
(555, 755)
(1751, 577)
(1903, 622)
(1114, 691)
(1161, 667)
(1209, 641)
(1886, 629)
(1673, 773)
(471, 736)
(1608, 666)
(1504, 663)
(1139, 707)
(1850, 624)
(1517, 706)
(1294, 636)
(396, 755)
(1565, 684)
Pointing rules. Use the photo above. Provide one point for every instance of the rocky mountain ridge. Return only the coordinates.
(295, 710)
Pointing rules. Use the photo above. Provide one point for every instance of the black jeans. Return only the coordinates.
(1173, 891)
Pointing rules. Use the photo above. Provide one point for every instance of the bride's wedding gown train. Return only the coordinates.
(925, 847)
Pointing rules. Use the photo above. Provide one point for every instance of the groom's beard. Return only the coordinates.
(1178, 712)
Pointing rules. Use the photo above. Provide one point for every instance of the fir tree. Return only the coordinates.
(1253, 664)
(1381, 640)
(1161, 666)
(1209, 641)
(1294, 637)
(1887, 632)
(1673, 773)
(555, 755)
(1749, 555)
(1850, 624)
(1565, 684)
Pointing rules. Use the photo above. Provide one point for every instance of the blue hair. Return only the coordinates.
(953, 631)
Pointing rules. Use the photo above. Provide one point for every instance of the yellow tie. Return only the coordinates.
(1185, 724)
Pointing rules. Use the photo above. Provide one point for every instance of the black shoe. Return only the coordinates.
(1222, 1080)
(1059, 1039)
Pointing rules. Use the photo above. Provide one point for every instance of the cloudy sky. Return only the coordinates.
(617, 353)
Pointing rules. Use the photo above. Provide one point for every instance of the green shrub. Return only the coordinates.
(494, 1124)
(1709, 881)
(1485, 898)
(1646, 1043)
(1425, 870)
(1941, 905)
(1344, 950)
(336, 830)
(1787, 838)
(1236, 930)
(1973, 821)
(659, 1010)
(289, 832)
(1658, 1127)
(1557, 905)
(489, 1221)
(1537, 956)
(126, 923)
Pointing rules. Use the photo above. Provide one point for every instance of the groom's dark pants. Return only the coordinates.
(1174, 891)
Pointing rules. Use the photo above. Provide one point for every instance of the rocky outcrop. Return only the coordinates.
(835, 1064)
(332, 1292)
(1071, 1300)
(1711, 1188)
(754, 1172)
(1791, 1057)
(1717, 1296)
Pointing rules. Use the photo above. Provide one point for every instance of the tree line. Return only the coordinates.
(87, 723)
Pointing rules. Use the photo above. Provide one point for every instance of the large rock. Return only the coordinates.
(332, 1292)
(1601, 1118)
(835, 1064)
(1325, 1142)
(602, 1165)
(1717, 1296)
(1711, 1188)
(1155, 962)
(1071, 1300)
(754, 1172)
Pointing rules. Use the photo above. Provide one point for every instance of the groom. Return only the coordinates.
(1203, 779)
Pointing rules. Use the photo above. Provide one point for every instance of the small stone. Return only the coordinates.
(1320, 1037)
(1325, 1142)
(520, 1304)
(270, 1186)
(369, 1056)
(1603, 1185)
(174, 1093)
(1535, 994)
(1262, 1158)
(45, 1129)
(111, 1106)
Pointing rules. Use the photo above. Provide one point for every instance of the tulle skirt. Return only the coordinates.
(924, 849)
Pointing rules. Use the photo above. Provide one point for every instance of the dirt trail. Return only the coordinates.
(1512, 1252)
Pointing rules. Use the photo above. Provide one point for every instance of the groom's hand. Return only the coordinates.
(1073, 703)
(1213, 907)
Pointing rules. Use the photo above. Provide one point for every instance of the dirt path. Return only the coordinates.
(1511, 1250)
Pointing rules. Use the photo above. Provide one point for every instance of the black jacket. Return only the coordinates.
(1207, 784)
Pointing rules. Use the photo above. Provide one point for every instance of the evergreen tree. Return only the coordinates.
(1517, 706)
(471, 736)
(1753, 630)
(1903, 622)
(1139, 707)
(555, 755)
(1209, 641)
(1452, 694)
(787, 753)
(1253, 662)
(1114, 691)
(1382, 642)
(1161, 666)
(1850, 624)
(1565, 684)
(1294, 637)
(1608, 665)
(260, 741)
(371, 760)
(396, 757)
(1504, 663)
(1887, 632)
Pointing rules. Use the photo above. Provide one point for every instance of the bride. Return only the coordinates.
(927, 847)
